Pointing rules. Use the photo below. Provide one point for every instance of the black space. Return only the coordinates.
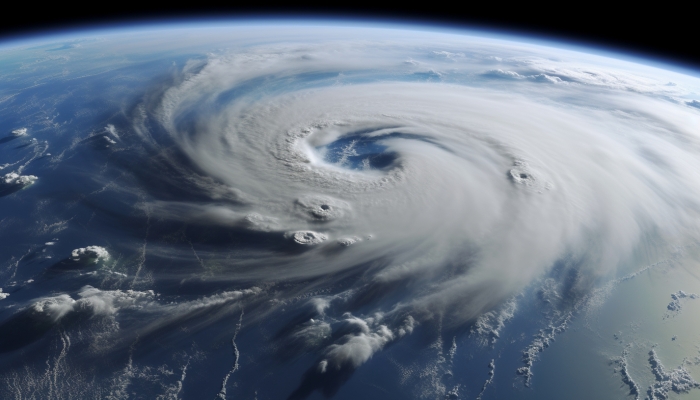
(665, 31)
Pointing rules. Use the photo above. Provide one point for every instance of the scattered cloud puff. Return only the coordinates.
(320, 304)
(13, 182)
(3, 295)
(676, 305)
(90, 254)
(15, 179)
(20, 132)
(112, 130)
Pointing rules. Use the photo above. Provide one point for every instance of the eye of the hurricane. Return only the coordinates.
(357, 151)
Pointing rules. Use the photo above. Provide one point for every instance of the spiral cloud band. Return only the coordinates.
(472, 188)
(346, 193)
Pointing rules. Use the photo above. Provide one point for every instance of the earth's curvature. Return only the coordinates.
(285, 210)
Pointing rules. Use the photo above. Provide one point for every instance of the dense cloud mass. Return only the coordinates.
(473, 189)
(346, 193)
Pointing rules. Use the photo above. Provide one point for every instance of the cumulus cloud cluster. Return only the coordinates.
(677, 380)
(362, 340)
(488, 325)
(13, 181)
(675, 306)
(90, 254)
(93, 301)
(145, 306)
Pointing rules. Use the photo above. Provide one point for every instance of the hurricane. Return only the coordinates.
(274, 211)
